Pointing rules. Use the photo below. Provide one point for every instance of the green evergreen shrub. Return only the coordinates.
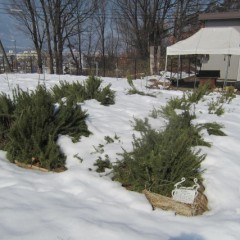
(75, 91)
(102, 164)
(37, 124)
(6, 117)
(106, 96)
(134, 90)
(108, 140)
(198, 93)
(216, 107)
(160, 159)
(155, 113)
(91, 89)
(173, 104)
(213, 128)
(228, 95)
(183, 122)
(69, 119)
(141, 125)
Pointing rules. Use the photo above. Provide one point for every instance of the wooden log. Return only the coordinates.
(33, 167)
(29, 166)
(159, 201)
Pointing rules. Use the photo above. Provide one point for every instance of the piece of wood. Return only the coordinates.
(159, 201)
(29, 166)
(33, 167)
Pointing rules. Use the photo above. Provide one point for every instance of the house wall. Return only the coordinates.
(219, 62)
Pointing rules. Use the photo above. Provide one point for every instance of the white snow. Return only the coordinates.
(80, 204)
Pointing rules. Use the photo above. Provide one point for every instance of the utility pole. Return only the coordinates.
(15, 54)
(5, 57)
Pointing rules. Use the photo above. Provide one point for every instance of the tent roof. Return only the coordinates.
(211, 40)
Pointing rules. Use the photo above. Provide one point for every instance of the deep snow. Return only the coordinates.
(79, 204)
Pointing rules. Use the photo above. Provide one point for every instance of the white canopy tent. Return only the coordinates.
(211, 40)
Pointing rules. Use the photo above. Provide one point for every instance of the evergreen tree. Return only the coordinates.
(160, 159)
(37, 123)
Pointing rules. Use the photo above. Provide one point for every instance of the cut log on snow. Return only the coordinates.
(33, 167)
(159, 201)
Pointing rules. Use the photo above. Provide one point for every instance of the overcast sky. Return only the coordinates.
(9, 31)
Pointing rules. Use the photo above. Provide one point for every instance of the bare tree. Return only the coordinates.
(143, 20)
(101, 22)
(26, 14)
(46, 20)
(64, 18)
(84, 11)
(225, 5)
(186, 18)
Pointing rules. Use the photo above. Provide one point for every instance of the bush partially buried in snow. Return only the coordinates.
(91, 89)
(33, 123)
(159, 159)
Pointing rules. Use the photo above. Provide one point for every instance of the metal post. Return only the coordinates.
(135, 67)
(15, 55)
(195, 79)
(15, 52)
(8, 67)
(96, 68)
(226, 73)
(165, 70)
(178, 70)
(166, 62)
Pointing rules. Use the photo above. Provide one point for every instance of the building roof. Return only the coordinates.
(214, 40)
(220, 16)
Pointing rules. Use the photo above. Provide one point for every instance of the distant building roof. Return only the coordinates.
(219, 16)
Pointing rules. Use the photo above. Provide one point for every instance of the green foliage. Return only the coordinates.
(99, 149)
(91, 89)
(134, 90)
(219, 111)
(37, 124)
(108, 139)
(160, 159)
(216, 107)
(183, 123)
(173, 104)
(102, 164)
(228, 95)
(213, 128)
(141, 125)
(155, 113)
(74, 90)
(130, 81)
(6, 117)
(79, 158)
(69, 119)
(198, 93)
(106, 96)
(116, 137)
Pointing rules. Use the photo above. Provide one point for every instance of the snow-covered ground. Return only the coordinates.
(79, 204)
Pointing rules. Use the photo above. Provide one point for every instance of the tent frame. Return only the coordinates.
(209, 41)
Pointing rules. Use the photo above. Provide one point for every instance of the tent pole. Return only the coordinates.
(178, 70)
(195, 79)
(165, 70)
(172, 68)
(226, 73)
(238, 75)
(166, 62)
